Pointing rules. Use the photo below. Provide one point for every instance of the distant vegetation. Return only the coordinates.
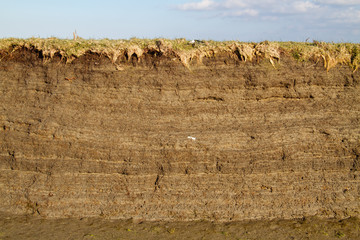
(330, 54)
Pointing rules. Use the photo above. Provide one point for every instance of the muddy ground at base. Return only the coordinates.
(33, 227)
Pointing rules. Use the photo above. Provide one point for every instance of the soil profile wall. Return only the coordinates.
(153, 140)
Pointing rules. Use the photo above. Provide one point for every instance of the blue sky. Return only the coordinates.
(244, 20)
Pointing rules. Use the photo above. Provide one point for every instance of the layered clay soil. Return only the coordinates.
(150, 139)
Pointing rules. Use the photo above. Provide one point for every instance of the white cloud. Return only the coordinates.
(246, 12)
(304, 10)
(349, 15)
(235, 3)
(340, 2)
(293, 7)
(251, 7)
(203, 5)
(300, 6)
(287, 19)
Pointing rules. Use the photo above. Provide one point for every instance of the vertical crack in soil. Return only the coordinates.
(157, 186)
(12, 160)
(356, 162)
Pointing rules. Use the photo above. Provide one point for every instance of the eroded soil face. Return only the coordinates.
(150, 139)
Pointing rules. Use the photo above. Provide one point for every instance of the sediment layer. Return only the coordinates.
(151, 139)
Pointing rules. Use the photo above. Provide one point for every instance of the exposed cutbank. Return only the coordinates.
(194, 131)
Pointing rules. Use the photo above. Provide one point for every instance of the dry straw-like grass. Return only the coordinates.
(330, 54)
(187, 52)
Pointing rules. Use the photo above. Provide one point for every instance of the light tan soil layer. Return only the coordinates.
(91, 138)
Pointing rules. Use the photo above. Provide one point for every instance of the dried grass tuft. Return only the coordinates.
(331, 54)
(134, 50)
(187, 52)
(268, 50)
(246, 52)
